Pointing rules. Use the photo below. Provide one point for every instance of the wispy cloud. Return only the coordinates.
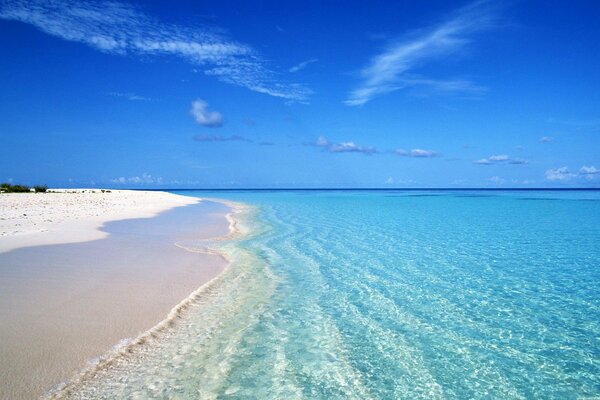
(500, 159)
(219, 138)
(120, 28)
(130, 96)
(145, 178)
(203, 116)
(546, 139)
(391, 70)
(303, 65)
(343, 147)
(418, 153)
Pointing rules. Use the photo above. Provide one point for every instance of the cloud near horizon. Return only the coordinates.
(231, 138)
(563, 174)
(120, 28)
(500, 159)
(211, 119)
(145, 178)
(219, 138)
(417, 153)
(389, 71)
(344, 147)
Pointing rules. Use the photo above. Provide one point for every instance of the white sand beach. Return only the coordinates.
(74, 215)
(67, 297)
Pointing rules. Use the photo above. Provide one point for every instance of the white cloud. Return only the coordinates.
(546, 139)
(560, 174)
(590, 172)
(418, 153)
(389, 181)
(302, 65)
(145, 178)
(219, 138)
(120, 28)
(130, 96)
(500, 159)
(422, 153)
(199, 111)
(390, 70)
(563, 174)
(344, 147)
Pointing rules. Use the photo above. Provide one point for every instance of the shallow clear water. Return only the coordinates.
(388, 295)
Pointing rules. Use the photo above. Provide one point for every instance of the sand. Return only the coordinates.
(62, 305)
(74, 215)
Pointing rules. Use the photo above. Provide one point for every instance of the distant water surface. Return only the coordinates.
(389, 295)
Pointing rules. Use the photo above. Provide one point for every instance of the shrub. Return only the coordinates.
(9, 188)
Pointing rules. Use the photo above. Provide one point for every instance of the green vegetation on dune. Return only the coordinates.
(8, 188)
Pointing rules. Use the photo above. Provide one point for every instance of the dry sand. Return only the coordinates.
(74, 215)
(62, 305)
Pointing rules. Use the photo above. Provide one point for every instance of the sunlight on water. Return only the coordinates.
(387, 295)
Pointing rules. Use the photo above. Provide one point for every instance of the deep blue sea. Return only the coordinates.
(388, 295)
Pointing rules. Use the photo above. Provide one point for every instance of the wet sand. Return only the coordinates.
(63, 305)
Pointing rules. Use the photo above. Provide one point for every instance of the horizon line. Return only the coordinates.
(367, 189)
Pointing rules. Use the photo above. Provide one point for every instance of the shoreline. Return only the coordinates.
(127, 346)
(214, 260)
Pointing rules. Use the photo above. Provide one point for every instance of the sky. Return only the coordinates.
(311, 94)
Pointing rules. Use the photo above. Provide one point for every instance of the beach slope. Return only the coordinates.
(67, 297)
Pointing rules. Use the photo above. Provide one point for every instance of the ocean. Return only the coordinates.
(384, 295)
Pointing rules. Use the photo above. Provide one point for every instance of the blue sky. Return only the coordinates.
(300, 94)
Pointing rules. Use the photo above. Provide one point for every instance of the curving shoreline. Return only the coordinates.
(128, 346)
(67, 303)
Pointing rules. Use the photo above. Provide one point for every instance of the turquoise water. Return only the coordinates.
(388, 295)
